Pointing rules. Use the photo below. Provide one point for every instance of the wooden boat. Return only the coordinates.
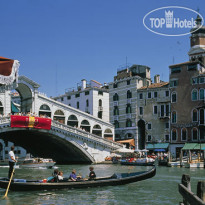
(114, 180)
(37, 162)
(138, 162)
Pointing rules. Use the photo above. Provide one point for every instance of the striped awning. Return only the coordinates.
(194, 146)
(157, 146)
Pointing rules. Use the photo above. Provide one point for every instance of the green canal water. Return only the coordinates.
(161, 189)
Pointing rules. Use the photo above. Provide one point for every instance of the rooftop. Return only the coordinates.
(155, 85)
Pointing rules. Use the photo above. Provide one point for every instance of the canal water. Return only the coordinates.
(161, 189)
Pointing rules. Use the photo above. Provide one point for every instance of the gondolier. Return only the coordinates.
(12, 160)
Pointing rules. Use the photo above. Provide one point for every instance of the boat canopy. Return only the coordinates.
(157, 146)
(159, 150)
(130, 141)
(194, 146)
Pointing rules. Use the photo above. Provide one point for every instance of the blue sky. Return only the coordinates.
(58, 43)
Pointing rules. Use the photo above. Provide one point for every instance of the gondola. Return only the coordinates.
(114, 180)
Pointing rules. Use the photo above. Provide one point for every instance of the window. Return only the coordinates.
(77, 95)
(68, 97)
(194, 134)
(128, 108)
(87, 92)
(201, 80)
(202, 133)
(128, 123)
(176, 70)
(100, 114)
(174, 97)
(155, 94)
(129, 94)
(167, 110)
(100, 92)
(116, 124)
(162, 111)
(100, 103)
(192, 67)
(194, 95)
(184, 134)
(194, 115)
(115, 97)
(149, 95)
(141, 96)
(62, 99)
(141, 110)
(115, 85)
(116, 110)
(167, 138)
(128, 82)
(201, 94)
(167, 93)
(149, 138)
(155, 109)
(174, 135)
(78, 105)
(174, 117)
(87, 103)
(166, 125)
(195, 81)
(149, 126)
(173, 83)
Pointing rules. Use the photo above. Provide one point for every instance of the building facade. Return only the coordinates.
(90, 97)
(123, 101)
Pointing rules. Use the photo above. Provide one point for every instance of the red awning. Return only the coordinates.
(8, 70)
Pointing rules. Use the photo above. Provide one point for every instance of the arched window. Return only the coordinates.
(174, 134)
(115, 97)
(194, 115)
(195, 134)
(184, 134)
(116, 110)
(174, 117)
(174, 97)
(201, 94)
(128, 123)
(128, 108)
(85, 125)
(100, 114)
(129, 94)
(194, 95)
(116, 124)
(100, 103)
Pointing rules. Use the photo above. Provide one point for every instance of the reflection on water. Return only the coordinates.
(161, 189)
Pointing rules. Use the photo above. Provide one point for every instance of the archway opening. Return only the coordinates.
(59, 116)
(97, 130)
(141, 134)
(108, 134)
(72, 121)
(85, 125)
(44, 111)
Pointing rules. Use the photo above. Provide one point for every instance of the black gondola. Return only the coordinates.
(114, 180)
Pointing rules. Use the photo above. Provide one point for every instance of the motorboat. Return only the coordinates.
(37, 162)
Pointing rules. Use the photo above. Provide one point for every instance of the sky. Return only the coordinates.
(61, 42)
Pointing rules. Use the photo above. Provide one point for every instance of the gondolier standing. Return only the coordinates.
(12, 160)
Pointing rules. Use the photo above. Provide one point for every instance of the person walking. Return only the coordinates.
(12, 160)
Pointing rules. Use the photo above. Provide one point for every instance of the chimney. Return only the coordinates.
(83, 84)
(157, 79)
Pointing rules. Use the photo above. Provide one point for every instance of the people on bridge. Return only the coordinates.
(12, 161)
(92, 174)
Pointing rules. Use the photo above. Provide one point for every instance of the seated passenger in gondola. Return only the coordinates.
(92, 174)
(60, 176)
(73, 175)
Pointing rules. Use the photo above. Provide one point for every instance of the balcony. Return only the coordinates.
(100, 108)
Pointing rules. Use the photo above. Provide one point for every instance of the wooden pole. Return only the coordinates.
(186, 182)
(201, 190)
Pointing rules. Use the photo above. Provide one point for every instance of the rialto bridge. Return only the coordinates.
(74, 136)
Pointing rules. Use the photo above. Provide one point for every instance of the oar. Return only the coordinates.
(7, 190)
